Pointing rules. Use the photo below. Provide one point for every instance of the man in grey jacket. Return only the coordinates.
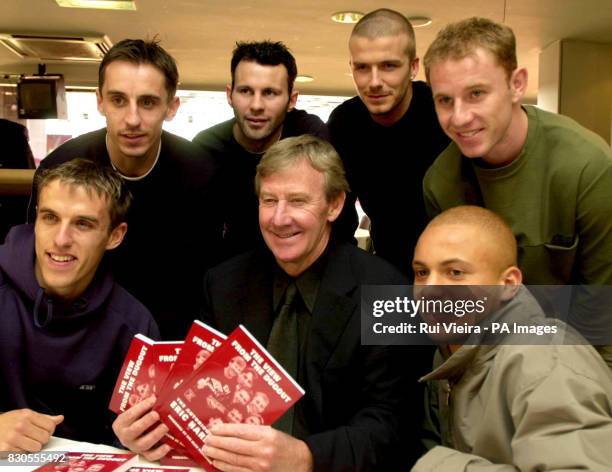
(502, 403)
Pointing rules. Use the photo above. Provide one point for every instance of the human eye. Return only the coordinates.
(84, 225)
(298, 201)
(117, 100)
(48, 217)
(389, 65)
(420, 272)
(148, 102)
(443, 101)
(477, 94)
(359, 67)
(267, 201)
(244, 90)
(455, 273)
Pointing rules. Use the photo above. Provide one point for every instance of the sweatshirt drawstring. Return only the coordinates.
(42, 319)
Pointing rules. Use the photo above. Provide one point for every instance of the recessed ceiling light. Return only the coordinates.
(419, 21)
(304, 78)
(347, 17)
(99, 4)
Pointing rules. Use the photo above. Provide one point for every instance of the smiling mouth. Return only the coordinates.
(61, 258)
(286, 235)
(468, 134)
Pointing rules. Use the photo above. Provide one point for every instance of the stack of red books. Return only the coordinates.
(202, 381)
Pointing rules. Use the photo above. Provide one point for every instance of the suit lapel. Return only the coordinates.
(333, 308)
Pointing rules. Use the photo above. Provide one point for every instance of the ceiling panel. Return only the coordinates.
(201, 34)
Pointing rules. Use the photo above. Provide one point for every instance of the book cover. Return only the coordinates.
(144, 371)
(239, 383)
(200, 343)
(91, 462)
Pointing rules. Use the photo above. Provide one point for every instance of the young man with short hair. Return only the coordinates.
(549, 177)
(263, 98)
(503, 402)
(174, 232)
(388, 136)
(66, 325)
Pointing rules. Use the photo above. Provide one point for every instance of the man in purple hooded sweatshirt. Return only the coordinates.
(65, 325)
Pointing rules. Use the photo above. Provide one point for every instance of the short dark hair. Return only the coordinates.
(138, 51)
(93, 177)
(265, 53)
(386, 22)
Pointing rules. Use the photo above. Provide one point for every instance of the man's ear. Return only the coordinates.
(414, 68)
(335, 207)
(173, 107)
(512, 278)
(518, 84)
(292, 100)
(116, 236)
(99, 101)
(228, 93)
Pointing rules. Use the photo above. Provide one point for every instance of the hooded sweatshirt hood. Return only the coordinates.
(17, 259)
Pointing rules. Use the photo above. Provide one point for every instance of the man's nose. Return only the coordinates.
(257, 103)
(63, 236)
(462, 114)
(132, 117)
(375, 78)
(281, 214)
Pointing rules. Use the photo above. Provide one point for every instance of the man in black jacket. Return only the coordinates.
(300, 297)
(174, 232)
(263, 99)
(389, 135)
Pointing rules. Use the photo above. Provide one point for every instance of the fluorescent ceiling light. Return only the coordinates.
(419, 21)
(347, 17)
(99, 4)
(304, 78)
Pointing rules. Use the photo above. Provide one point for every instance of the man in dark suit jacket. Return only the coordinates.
(352, 417)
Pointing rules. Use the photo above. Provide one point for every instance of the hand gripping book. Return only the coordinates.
(91, 462)
(200, 343)
(144, 371)
(239, 383)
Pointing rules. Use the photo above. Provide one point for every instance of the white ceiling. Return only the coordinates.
(200, 34)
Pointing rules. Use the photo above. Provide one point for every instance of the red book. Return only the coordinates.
(200, 343)
(92, 462)
(144, 371)
(239, 383)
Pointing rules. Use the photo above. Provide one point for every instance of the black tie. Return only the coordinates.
(283, 344)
